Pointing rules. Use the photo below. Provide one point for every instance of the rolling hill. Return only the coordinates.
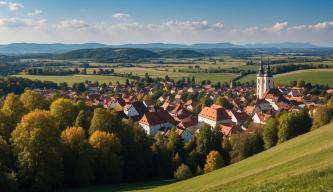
(304, 163)
(109, 54)
(29, 48)
(176, 53)
(290, 166)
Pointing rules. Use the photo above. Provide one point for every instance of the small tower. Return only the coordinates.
(260, 81)
(264, 80)
(269, 83)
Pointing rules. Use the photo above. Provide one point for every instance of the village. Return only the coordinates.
(233, 109)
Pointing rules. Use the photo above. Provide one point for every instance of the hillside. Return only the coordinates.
(273, 169)
(301, 164)
(109, 54)
(175, 53)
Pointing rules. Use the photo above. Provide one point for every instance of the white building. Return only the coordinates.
(264, 81)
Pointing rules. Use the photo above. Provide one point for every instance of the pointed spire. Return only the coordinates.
(261, 68)
(268, 71)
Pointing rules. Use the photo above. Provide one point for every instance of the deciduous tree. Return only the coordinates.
(36, 142)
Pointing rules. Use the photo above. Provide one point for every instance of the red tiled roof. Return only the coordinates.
(155, 118)
(215, 113)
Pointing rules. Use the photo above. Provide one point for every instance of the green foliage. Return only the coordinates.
(223, 102)
(175, 143)
(107, 164)
(8, 181)
(64, 111)
(214, 161)
(36, 142)
(270, 132)
(13, 110)
(104, 120)
(83, 120)
(293, 124)
(244, 145)
(183, 172)
(33, 100)
(322, 116)
(77, 157)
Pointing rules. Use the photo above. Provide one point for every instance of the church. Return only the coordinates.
(265, 80)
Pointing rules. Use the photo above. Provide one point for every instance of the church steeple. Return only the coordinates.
(268, 70)
(261, 69)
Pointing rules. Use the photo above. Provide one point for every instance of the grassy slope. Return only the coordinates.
(315, 76)
(291, 166)
(297, 157)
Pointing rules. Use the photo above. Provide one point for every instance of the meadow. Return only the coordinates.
(301, 164)
(70, 79)
(314, 76)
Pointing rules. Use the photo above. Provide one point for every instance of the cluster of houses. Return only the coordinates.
(171, 110)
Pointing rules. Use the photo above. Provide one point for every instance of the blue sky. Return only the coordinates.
(169, 21)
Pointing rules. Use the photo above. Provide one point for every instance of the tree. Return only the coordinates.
(300, 83)
(77, 157)
(214, 161)
(7, 180)
(37, 146)
(183, 172)
(104, 120)
(13, 109)
(241, 147)
(33, 100)
(175, 143)
(83, 120)
(321, 117)
(107, 164)
(65, 112)
(176, 162)
(223, 102)
(270, 132)
(5, 153)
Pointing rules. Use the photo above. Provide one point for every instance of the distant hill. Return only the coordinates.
(109, 54)
(175, 53)
(28, 48)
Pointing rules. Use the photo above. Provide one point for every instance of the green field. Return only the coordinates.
(315, 76)
(70, 79)
(301, 164)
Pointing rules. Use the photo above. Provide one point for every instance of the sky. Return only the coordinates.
(167, 21)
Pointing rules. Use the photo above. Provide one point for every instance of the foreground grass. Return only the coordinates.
(301, 164)
(295, 158)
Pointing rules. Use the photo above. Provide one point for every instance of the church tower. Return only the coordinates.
(264, 80)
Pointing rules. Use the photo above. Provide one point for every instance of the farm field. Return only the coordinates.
(70, 79)
(304, 163)
(315, 76)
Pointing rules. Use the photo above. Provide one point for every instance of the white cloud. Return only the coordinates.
(73, 23)
(35, 12)
(298, 27)
(121, 15)
(322, 25)
(277, 27)
(250, 30)
(190, 25)
(21, 22)
(11, 5)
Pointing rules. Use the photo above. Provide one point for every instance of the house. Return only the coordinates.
(214, 115)
(228, 129)
(260, 118)
(135, 109)
(152, 122)
(185, 134)
(238, 117)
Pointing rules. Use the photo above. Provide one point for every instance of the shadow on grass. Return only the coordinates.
(120, 187)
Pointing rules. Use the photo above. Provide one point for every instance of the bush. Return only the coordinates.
(183, 172)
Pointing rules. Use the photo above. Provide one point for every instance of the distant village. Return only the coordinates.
(176, 109)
